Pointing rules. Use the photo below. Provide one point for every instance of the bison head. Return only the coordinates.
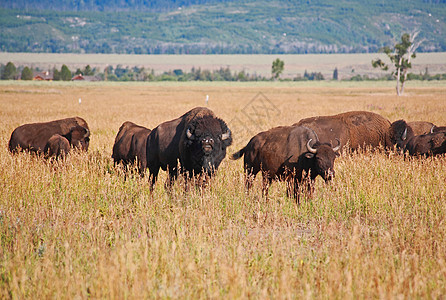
(206, 141)
(79, 137)
(400, 133)
(321, 159)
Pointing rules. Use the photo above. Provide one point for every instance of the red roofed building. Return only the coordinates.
(47, 75)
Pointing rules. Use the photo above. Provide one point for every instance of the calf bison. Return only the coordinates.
(57, 146)
(130, 145)
(34, 137)
(284, 153)
(356, 129)
(197, 139)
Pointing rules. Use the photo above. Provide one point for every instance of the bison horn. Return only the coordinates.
(311, 149)
(189, 134)
(338, 146)
(432, 129)
(87, 134)
(226, 135)
(404, 136)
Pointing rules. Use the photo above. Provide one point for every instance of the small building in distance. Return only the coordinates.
(47, 75)
(85, 78)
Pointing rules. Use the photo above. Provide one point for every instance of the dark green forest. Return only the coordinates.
(218, 27)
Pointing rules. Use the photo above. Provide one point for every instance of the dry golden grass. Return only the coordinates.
(76, 229)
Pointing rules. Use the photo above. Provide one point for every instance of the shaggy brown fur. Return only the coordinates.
(355, 129)
(197, 139)
(283, 153)
(33, 137)
(130, 145)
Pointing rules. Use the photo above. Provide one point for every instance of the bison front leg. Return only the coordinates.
(303, 186)
(296, 191)
(309, 191)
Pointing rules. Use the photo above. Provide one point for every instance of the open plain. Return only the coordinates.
(76, 229)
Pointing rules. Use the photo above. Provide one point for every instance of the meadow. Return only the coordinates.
(76, 229)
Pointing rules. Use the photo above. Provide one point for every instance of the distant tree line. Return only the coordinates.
(121, 73)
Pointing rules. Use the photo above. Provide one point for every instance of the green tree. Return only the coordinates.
(56, 74)
(27, 74)
(9, 72)
(88, 71)
(277, 68)
(65, 73)
(400, 56)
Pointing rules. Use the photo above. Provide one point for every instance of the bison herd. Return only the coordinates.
(194, 145)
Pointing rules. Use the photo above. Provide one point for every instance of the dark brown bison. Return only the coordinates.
(357, 129)
(426, 144)
(197, 139)
(130, 145)
(33, 137)
(438, 129)
(401, 131)
(57, 146)
(284, 153)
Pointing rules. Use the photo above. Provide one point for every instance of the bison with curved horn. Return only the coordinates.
(34, 137)
(401, 131)
(285, 153)
(197, 140)
(357, 129)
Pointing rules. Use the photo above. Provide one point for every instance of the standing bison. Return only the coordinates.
(130, 145)
(34, 137)
(284, 153)
(357, 129)
(197, 139)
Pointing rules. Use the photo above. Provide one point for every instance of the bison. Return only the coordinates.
(355, 128)
(438, 129)
(400, 131)
(57, 146)
(34, 137)
(197, 139)
(130, 145)
(426, 144)
(284, 153)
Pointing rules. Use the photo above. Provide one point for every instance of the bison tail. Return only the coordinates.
(237, 154)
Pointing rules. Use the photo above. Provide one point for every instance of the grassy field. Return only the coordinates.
(348, 64)
(76, 229)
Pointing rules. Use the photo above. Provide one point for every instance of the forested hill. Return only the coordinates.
(218, 26)
(104, 5)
